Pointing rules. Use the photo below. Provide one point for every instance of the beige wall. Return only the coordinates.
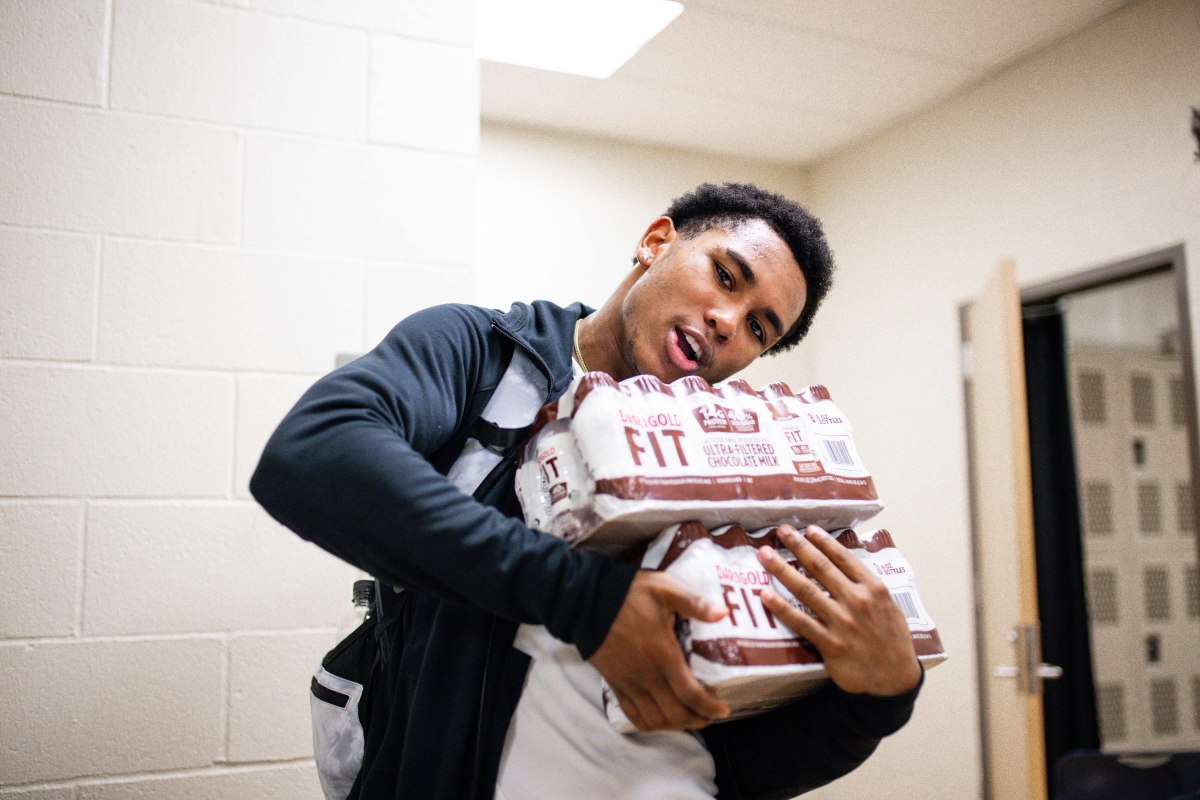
(202, 204)
(1078, 157)
(560, 215)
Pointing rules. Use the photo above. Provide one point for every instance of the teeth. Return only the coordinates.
(692, 343)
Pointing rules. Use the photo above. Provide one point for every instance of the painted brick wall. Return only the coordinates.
(203, 203)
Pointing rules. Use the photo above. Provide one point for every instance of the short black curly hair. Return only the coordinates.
(728, 205)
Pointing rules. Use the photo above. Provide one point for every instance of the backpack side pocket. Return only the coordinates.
(334, 696)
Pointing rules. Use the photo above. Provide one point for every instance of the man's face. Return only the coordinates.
(710, 304)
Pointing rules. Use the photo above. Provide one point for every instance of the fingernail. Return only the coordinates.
(814, 531)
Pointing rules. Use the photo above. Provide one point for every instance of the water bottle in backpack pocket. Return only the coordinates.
(338, 698)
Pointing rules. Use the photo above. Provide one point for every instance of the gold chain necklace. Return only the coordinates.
(578, 355)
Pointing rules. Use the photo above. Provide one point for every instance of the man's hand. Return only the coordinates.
(858, 629)
(643, 663)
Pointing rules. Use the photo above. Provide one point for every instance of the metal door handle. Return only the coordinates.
(1048, 672)
(1031, 670)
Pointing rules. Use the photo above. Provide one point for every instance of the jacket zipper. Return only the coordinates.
(534, 356)
(477, 767)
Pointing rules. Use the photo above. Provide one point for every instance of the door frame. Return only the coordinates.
(1167, 259)
(992, 363)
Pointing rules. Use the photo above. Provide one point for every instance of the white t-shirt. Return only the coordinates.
(560, 744)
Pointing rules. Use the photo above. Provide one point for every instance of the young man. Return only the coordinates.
(372, 464)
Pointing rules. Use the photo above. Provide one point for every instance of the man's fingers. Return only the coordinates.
(681, 600)
(656, 707)
(631, 710)
(680, 696)
(837, 553)
(642, 660)
(649, 712)
(692, 696)
(814, 559)
(797, 620)
(801, 587)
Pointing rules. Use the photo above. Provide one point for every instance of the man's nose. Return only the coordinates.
(723, 321)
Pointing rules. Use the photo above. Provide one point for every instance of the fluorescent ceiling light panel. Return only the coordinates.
(582, 37)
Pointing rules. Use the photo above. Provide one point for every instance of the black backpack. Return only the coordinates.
(340, 690)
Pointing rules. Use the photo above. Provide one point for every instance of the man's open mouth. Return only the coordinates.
(689, 346)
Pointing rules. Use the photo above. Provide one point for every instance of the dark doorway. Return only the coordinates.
(1113, 451)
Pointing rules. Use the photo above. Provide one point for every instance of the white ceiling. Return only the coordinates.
(788, 81)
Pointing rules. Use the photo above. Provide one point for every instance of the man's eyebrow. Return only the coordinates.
(749, 277)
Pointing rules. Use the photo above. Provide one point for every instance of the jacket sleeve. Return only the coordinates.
(348, 469)
(805, 744)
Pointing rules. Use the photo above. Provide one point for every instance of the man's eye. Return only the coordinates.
(758, 331)
(724, 277)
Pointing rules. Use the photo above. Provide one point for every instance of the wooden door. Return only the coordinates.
(1005, 567)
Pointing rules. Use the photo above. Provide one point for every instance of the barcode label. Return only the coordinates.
(907, 605)
(839, 452)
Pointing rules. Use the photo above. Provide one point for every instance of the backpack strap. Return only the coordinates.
(493, 437)
(502, 424)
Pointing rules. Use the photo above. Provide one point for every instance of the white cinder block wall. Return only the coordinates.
(201, 204)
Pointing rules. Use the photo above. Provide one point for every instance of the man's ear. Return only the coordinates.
(656, 241)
